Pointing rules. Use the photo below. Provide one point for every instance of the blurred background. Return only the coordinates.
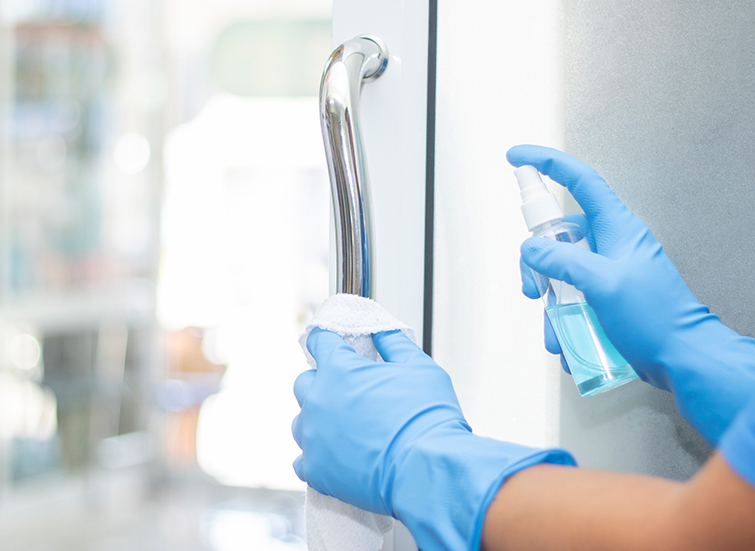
(163, 240)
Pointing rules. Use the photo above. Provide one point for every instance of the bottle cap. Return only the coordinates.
(538, 204)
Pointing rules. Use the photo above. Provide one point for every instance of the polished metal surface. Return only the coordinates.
(354, 62)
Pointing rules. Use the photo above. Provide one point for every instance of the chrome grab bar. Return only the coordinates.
(354, 62)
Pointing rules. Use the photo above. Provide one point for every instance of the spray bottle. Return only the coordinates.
(593, 361)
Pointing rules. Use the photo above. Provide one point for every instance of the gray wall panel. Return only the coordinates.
(660, 99)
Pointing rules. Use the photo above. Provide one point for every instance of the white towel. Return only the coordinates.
(331, 524)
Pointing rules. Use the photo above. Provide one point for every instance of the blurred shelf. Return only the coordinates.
(129, 302)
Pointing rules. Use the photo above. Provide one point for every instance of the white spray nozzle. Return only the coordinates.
(538, 204)
(530, 182)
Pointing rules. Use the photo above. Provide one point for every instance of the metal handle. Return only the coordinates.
(362, 59)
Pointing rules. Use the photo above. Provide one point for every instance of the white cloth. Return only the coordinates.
(331, 524)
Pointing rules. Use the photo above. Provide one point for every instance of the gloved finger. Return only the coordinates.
(530, 288)
(581, 220)
(296, 431)
(565, 365)
(299, 468)
(396, 347)
(551, 341)
(330, 351)
(302, 384)
(613, 224)
(566, 262)
(589, 189)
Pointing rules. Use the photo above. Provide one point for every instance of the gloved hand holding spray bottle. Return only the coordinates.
(593, 361)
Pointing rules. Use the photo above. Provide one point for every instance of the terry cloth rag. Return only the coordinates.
(331, 524)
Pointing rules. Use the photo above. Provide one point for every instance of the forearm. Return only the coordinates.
(552, 508)
(548, 507)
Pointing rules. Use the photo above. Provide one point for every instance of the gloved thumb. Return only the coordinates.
(396, 347)
(565, 262)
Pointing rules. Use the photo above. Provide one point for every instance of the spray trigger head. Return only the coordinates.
(538, 204)
(530, 182)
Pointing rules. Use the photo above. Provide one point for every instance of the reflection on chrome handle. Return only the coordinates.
(356, 61)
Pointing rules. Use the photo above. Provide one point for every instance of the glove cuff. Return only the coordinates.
(708, 356)
(448, 479)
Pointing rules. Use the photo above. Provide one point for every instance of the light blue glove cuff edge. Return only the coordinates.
(463, 471)
(734, 363)
(554, 456)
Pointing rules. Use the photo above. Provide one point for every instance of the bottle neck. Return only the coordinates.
(547, 227)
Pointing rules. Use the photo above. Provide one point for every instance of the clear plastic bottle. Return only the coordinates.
(595, 364)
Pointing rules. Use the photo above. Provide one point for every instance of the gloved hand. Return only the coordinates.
(390, 438)
(647, 311)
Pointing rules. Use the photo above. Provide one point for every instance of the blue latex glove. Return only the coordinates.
(390, 437)
(647, 311)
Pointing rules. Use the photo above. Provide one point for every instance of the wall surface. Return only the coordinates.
(660, 98)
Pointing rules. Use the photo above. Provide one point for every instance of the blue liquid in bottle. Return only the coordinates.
(594, 362)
